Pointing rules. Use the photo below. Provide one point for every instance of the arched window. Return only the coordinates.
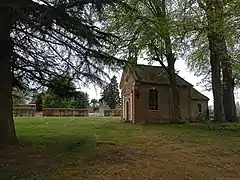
(153, 99)
(199, 106)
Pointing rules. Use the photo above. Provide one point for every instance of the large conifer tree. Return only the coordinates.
(110, 94)
(42, 38)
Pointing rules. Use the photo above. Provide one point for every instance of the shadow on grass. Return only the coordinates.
(44, 156)
(51, 145)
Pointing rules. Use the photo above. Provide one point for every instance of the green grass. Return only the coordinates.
(104, 148)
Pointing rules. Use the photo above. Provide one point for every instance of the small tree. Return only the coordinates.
(62, 86)
(51, 100)
(94, 103)
(62, 94)
(81, 100)
(110, 94)
(37, 99)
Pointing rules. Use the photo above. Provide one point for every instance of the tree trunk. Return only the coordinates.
(176, 111)
(162, 14)
(219, 57)
(234, 108)
(220, 48)
(216, 79)
(7, 129)
(228, 93)
(228, 84)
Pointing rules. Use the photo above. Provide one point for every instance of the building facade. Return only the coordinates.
(146, 96)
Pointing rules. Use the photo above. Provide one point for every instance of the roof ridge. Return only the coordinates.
(160, 68)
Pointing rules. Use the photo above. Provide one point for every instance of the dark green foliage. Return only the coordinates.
(51, 100)
(62, 94)
(37, 99)
(81, 100)
(62, 86)
(94, 103)
(57, 37)
(110, 94)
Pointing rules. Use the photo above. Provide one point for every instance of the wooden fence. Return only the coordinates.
(23, 111)
(112, 112)
(64, 112)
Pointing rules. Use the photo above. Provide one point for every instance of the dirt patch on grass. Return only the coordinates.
(165, 161)
(117, 156)
(151, 160)
(148, 161)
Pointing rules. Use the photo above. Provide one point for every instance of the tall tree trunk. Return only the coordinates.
(176, 111)
(216, 79)
(219, 59)
(234, 108)
(7, 129)
(228, 85)
(159, 11)
(228, 93)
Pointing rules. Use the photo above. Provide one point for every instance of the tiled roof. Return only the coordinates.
(195, 95)
(155, 75)
(158, 75)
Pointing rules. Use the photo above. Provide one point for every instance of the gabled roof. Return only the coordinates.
(158, 75)
(154, 75)
(196, 95)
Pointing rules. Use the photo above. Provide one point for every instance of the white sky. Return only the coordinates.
(94, 92)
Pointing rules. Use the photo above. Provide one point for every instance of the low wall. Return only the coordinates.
(112, 112)
(33, 106)
(64, 112)
(23, 111)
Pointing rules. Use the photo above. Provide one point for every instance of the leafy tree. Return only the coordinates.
(149, 27)
(62, 94)
(40, 39)
(37, 99)
(51, 100)
(110, 94)
(62, 86)
(213, 45)
(95, 104)
(60, 90)
(81, 100)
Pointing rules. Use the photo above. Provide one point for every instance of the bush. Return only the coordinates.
(51, 100)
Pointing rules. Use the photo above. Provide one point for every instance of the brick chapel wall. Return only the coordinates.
(143, 114)
(184, 102)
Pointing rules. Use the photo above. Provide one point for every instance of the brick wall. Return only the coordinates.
(112, 112)
(64, 112)
(23, 111)
(142, 112)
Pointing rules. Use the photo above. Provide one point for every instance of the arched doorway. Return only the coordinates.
(127, 110)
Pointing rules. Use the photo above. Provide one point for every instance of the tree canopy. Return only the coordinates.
(41, 39)
(62, 93)
(110, 94)
(55, 37)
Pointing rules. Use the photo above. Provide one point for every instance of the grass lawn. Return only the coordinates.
(104, 148)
